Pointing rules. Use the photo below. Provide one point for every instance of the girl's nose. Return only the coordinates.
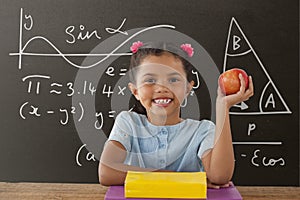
(161, 88)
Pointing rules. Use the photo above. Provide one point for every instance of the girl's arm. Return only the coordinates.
(219, 162)
(112, 170)
(109, 172)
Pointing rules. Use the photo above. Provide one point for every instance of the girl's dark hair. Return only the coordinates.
(157, 49)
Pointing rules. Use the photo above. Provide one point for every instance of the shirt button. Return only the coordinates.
(124, 134)
(162, 146)
(162, 161)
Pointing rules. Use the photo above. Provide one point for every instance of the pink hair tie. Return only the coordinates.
(188, 49)
(135, 46)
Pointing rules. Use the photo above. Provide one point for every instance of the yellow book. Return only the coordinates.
(165, 185)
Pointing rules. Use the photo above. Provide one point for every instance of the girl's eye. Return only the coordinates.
(173, 80)
(150, 80)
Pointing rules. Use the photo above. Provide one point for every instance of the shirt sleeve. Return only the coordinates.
(208, 131)
(121, 130)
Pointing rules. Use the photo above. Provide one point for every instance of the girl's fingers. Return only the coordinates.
(243, 83)
(250, 91)
(251, 87)
(225, 185)
(214, 186)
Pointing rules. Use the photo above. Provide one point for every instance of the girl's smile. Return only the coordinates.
(163, 102)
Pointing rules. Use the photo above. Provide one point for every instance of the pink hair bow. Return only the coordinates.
(135, 46)
(188, 49)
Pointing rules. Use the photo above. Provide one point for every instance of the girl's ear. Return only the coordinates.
(134, 90)
(189, 87)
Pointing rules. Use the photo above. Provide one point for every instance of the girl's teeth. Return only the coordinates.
(162, 101)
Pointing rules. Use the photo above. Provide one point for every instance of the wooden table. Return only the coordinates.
(33, 191)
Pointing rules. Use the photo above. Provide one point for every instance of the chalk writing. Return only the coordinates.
(118, 30)
(86, 35)
(81, 36)
(239, 50)
(36, 84)
(251, 127)
(34, 111)
(242, 106)
(110, 71)
(98, 125)
(27, 109)
(237, 46)
(107, 90)
(196, 80)
(271, 101)
(267, 162)
(121, 90)
(89, 156)
(88, 88)
(28, 26)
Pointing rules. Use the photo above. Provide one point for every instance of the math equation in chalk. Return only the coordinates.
(38, 84)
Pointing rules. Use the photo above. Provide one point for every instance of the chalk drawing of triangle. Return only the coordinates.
(240, 53)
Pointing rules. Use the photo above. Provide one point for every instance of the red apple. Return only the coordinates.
(229, 81)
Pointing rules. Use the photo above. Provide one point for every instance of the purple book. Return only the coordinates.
(230, 193)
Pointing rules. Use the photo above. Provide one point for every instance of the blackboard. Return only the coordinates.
(63, 80)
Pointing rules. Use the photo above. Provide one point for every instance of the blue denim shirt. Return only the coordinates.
(176, 147)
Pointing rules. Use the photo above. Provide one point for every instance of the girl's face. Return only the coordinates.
(161, 87)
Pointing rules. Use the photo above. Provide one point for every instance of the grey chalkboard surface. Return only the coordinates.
(63, 80)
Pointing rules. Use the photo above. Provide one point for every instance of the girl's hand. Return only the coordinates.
(241, 95)
(214, 186)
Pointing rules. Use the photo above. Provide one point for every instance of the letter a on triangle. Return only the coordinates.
(239, 53)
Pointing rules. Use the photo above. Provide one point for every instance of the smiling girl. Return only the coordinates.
(153, 136)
